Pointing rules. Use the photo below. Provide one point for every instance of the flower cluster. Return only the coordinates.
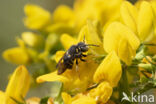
(125, 34)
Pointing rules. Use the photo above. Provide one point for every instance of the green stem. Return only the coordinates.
(123, 85)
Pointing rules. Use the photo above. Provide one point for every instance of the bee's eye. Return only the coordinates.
(84, 49)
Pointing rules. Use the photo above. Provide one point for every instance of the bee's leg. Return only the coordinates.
(70, 66)
(70, 62)
(82, 59)
(84, 55)
(77, 62)
(77, 68)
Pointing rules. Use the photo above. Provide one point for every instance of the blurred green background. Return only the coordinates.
(11, 26)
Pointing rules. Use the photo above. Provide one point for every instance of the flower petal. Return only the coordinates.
(114, 33)
(84, 100)
(37, 17)
(109, 70)
(101, 10)
(66, 98)
(125, 51)
(129, 15)
(102, 93)
(67, 41)
(91, 37)
(51, 41)
(2, 97)
(153, 3)
(60, 28)
(63, 14)
(51, 77)
(16, 55)
(117, 33)
(32, 39)
(18, 85)
(59, 55)
(145, 22)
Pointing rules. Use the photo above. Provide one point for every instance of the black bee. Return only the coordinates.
(75, 52)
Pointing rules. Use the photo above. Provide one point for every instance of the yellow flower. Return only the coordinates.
(63, 14)
(129, 14)
(67, 41)
(16, 55)
(18, 86)
(101, 10)
(145, 23)
(50, 42)
(122, 40)
(153, 3)
(72, 80)
(88, 73)
(75, 82)
(84, 100)
(66, 98)
(78, 99)
(92, 37)
(109, 70)
(62, 21)
(21, 54)
(152, 49)
(32, 39)
(66, 19)
(143, 26)
(37, 17)
(98, 95)
(60, 28)
(2, 97)
(125, 51)
(102, 93)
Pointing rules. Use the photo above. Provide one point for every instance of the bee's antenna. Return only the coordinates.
(92, 45)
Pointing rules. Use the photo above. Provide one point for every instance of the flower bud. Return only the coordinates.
(147, 67)
(32, 40)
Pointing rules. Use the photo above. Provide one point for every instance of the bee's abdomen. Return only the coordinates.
(68, 60)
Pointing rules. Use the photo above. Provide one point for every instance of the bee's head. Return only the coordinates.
(83, 47)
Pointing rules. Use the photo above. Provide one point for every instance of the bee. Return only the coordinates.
(75, 52)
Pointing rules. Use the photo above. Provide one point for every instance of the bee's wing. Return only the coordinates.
(58, 64)
(61, 66)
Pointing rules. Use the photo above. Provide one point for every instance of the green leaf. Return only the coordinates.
(44, 100)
